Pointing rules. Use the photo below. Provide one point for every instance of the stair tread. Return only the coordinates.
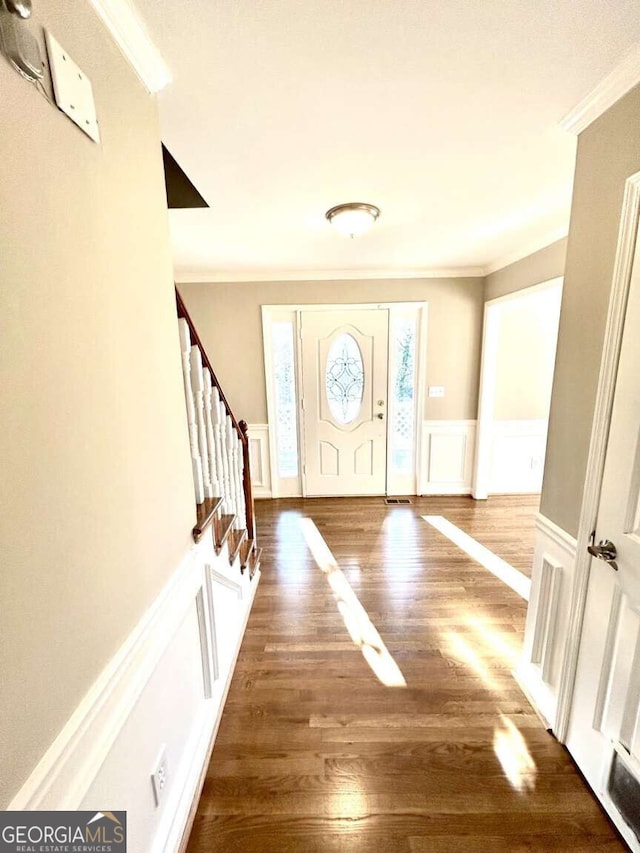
(236, 539)
(254, 560)
(223, 528)
(205, 515)
(245, 551)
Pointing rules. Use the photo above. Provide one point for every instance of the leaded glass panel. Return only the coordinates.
(344, 379)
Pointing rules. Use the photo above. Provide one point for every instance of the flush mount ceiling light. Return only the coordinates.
(354, 218)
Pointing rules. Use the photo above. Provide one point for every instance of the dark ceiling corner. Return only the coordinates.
(181, 192)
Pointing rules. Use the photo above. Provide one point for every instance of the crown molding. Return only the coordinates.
(248, 276)
(617, 83)
(127, 27)
(526, 250)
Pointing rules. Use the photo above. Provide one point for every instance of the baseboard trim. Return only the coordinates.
(521, 681)
(435, 490)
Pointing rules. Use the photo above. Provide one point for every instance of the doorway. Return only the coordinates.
(344, 399)
(516, 375)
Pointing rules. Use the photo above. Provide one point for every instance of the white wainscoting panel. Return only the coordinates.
(447, 449)
(165, 688)
(540, 669)
(260, 464)
(517, 457)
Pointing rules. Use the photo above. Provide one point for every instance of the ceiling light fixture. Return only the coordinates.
(354, 218)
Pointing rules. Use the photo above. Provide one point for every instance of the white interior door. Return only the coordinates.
(344, 397)
(604, 729)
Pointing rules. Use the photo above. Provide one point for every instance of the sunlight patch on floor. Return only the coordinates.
(513, 754)
(361, 629)
(462, 650)
(514, 579)
(508, 652)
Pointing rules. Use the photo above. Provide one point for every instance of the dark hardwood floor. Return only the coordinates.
(315, 754)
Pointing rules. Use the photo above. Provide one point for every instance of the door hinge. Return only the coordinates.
(302, 403)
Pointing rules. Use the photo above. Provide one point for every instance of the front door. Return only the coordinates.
(344, 397)
(604, 730)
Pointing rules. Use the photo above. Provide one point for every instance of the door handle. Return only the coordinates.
(380, 416)
(605, 551)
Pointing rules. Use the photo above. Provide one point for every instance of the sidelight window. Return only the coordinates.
(402, 411)
(285, 398)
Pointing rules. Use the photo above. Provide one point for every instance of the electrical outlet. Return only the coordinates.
(160, 776)
(436, 390)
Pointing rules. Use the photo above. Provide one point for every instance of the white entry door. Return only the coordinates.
(344, 400)
(604, 729)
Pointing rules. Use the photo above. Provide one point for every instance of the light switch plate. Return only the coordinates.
(72, 89)
(436, 390)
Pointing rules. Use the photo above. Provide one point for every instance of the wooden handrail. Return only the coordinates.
(246, 477)
(241, 428)
(195, 340)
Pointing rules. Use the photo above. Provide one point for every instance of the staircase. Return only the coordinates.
(220, 457)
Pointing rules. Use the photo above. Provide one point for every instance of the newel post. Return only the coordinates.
(246, 481)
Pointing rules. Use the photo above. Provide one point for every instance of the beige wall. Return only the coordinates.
(608, 153)
(97, 502)
(222, 312)
(541, 266)
(527, 336)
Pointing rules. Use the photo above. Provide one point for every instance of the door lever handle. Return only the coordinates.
(605, 551)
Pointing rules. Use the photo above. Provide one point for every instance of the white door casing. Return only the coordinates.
(604, 724)
(344, 443)
(488, 428)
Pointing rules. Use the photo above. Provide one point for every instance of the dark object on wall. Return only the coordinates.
(181, 193)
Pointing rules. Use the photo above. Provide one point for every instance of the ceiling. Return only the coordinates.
(443, 113)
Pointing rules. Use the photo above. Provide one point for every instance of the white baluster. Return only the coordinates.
(197, 380)
(196, 462)
(240, 468)
(233, 472)
(211, 447)
(218, 420)
(228, 491)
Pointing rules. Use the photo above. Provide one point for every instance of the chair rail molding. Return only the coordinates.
(260, 460)
(517, 456)
(186, 644)
(540, 670)
(447, 453)
(130, 34)
(60, 780)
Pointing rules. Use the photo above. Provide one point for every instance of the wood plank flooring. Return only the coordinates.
(316, 755)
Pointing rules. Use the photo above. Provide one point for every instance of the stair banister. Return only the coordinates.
(211, 474)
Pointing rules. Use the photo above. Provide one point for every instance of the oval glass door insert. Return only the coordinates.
(344, 379)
